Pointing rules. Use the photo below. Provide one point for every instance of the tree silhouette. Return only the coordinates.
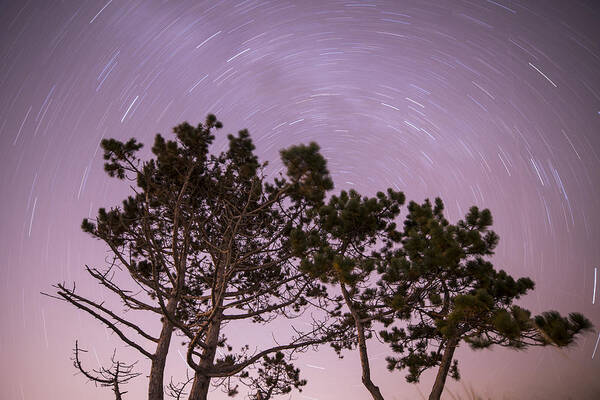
(117, 374)
(275, 376)
(339, 250)
(441, 283)
(205, 242)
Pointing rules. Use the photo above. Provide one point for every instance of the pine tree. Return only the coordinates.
(441, 282)
(205, 241)
(340, 250)
(275, 376)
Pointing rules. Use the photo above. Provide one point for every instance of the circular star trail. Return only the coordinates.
(487, 103)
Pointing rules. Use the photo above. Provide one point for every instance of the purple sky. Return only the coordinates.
(492, 103)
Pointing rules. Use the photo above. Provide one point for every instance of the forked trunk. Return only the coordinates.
(440, 379)
(199, 390)
(157, 370)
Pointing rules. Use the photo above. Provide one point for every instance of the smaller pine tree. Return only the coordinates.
(442, 284)
(339, 249)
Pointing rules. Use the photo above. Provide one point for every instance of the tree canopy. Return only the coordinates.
(206, 239)
(208, 242)
(440, 281)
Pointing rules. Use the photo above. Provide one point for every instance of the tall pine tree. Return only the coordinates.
(204, 240)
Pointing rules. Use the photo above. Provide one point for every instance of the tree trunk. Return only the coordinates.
(440, 379)
(362, 348)
(157, 370)
(201, 383)
(200, 387)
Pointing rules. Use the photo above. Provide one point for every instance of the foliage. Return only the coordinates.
(206, 239)
(442, 284)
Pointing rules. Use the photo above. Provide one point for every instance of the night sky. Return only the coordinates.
(488, 103)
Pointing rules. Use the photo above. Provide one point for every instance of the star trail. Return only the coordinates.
(480, 102)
